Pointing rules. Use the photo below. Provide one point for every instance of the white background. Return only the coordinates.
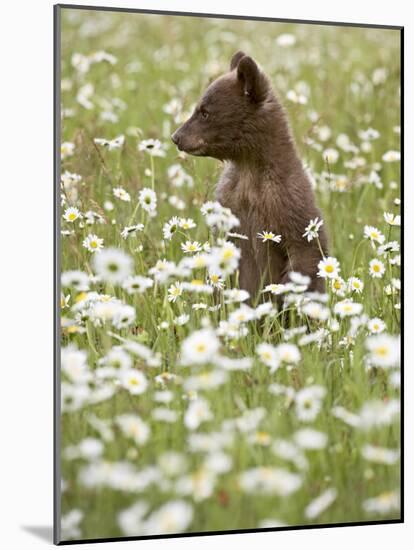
(26, 232)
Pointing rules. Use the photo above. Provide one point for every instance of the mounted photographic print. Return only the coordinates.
(228, 293)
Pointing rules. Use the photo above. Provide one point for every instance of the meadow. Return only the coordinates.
(186, 408)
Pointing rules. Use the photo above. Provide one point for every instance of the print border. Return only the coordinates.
(56, 275)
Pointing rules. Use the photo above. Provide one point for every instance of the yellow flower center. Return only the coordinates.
(81, 296)
(329, 268)
(382, 351)
(134, 430)
(200, 348)
(72, 216)
(228, 253)
(262, 437)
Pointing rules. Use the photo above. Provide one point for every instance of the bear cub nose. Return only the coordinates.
(175, 138)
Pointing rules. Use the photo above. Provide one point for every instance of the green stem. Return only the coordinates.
(320, 247)
(355, 255)
(152, 173)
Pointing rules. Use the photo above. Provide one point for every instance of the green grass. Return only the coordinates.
(177, 59)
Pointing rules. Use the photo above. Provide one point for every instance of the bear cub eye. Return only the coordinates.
(204, 113)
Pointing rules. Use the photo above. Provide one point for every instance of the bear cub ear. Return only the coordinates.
(235, 59)
(252, 80)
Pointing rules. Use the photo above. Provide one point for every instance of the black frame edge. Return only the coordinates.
(230, 16)
(56, 275)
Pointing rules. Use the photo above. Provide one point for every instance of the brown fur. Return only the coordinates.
(240, 120)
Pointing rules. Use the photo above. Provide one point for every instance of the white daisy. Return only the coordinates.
(376, 268)
(130, 230)
(66, 149)
(328, 268)
(391, 156)
(276, 288)
(316, 311)
(268, 355)
(134, 427)
(269, 236)
(124, 316)
(200, 347)
(78, 279)
(187, 223)
(111, 144)
(117, 358)
(392, 219)
(384, 350)
(376, 325)
(288, 353)
(383, 504)
(71, 214)
(355, 285)
(133, 380)
(113, 265)
(310, 439)
(387, 248)
(312, 230)
(318, 505)
(147, 199)
(338, 286)
(225, 259)
(308, 402)
(137, 284)
(286, 40)
(191, 247)
(93, 243)
(152, 146)
(269, 481)
(216, 281)
(198, 411)
(347, 308)
(330, 156)
(175, 291)
(380, 455)
(373, 234)
(120, 193)
(182, 320)
(172, 517)
(234, 295)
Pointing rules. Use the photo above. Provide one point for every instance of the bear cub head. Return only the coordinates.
(229, 117)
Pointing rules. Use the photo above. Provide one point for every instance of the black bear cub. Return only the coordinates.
(239, 120)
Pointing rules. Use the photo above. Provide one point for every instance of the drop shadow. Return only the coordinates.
(40, 531)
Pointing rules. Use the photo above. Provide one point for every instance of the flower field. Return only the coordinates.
(186, 406)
